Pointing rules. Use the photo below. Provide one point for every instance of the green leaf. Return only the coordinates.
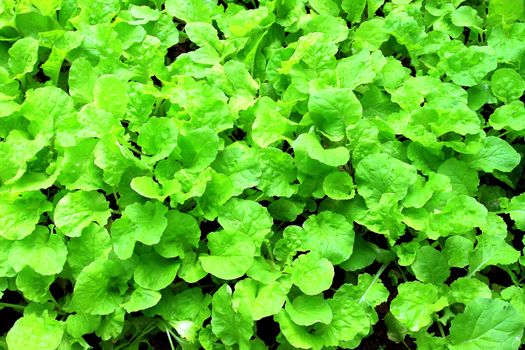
(351, 72)
(104, 281)
(262, 300)
(269, 125)
(339, 186)
(464, 180)
(202, 34)
(21, 213)
(354, 9)
(190, 10)
(147, 187)
(96, 11)
(241, 163)
(34, 286)
(491, 251)
(113, 158)
(507, 11)
(198, 149)
(35, 332)
(45, 108)
(218, 191)
(427, 342)
(143, 223)
(111, 325)
(80, 324)
(181, 234)
(415, 304)
(380, 174)
(370, 35)
(507, 85)
(515, 296)
(330, 235)
(325, 6)
(333, 27)
(465, 290)
(165, 271)
(307, 310)
(247, 217)
(62, 44)
(431, 266)
(141, 299)
(509, 116)
(158, 138)
(76, 210)
(353, 310)
(312, 158)
(312, 274)
(110, 94)
(47, 7)
(467, 66)
(93, 244)
(143, 14)
(466, 16)
(231, 254)
(43, 251)
(23, 55)
(81, 80)
(460, 215)
(278, 173)
(457, 249)
(508, 43)
(486, 323)
(186, 310)
(78, 168)
(284, 209)
(298, 336)
(332, 110)
(263, 271)
(516, 209)
(495, 154)
(231, 323)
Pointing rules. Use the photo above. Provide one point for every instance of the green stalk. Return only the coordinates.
(12, 306)
(374, 280)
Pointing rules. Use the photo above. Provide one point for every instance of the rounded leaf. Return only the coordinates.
(312, 274)
(231, 254)
(35, 333)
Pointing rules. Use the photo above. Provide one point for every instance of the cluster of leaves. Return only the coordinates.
(194, 174)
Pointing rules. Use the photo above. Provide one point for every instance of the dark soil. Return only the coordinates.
(177, 50)
(8, 316)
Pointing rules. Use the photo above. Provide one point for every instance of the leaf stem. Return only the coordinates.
(115, 197)
(131, 148)
(136, 338)
(503, 133)
(269, 249)
(402, 273)
(374, 280)
(169, 339)
(12, 306)
(441, 331)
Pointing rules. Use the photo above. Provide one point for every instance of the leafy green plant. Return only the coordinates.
(272, 174)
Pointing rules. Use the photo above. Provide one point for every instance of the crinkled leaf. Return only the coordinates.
(416, 303)
(35, 332)
(312, 274)
(76, 210)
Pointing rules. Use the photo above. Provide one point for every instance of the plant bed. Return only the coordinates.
(285, 174)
